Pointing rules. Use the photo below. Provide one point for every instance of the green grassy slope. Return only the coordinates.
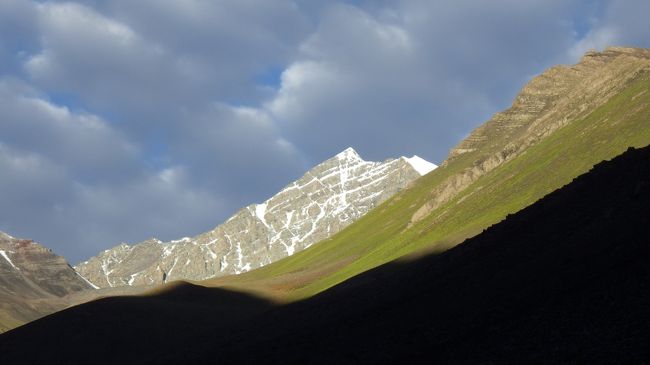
(384, 234)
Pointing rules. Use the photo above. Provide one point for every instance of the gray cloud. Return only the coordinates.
(19, 34)
(85, 144)
(121, 120)
(153, 58)
(409, 79)
(622, 22)
(238, 148)
(70, 179)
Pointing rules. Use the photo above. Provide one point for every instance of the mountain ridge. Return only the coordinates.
(534, 112)
(325, 199)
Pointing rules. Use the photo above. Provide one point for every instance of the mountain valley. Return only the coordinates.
(564, 280)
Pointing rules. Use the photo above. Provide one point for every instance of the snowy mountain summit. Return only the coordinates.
(323, 201)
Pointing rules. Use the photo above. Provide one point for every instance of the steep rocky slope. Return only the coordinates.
(322, 202)
(562, 123)
(33, 281)
(563, 281)
(558, 96)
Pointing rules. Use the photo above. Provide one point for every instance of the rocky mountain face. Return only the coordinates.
(326, 199)
(548, 102)
(33, 281)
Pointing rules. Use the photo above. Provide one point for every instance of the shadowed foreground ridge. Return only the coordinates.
(564, 280)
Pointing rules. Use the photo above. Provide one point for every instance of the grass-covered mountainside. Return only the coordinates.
(561, 124)
(563, 281)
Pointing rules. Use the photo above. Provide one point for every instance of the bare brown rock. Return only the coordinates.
(33, 281)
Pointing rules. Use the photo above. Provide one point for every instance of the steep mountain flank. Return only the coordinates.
(33, 281)
(322, 202)
(562, 281)
(551, 100)
(561, 124)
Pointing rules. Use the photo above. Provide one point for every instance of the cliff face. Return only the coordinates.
(33, 281)
(548, 102)
(326, 199)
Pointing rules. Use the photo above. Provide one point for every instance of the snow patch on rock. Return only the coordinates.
(4, 254)
(420, 165)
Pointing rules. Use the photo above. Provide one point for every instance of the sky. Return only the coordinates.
(122, 120)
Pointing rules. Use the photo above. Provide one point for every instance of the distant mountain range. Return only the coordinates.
(323, 201)
(327, 198)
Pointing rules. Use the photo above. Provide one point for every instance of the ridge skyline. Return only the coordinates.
(327, 198)
(421, 165)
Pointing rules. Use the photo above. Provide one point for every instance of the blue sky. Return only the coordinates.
(121, 120)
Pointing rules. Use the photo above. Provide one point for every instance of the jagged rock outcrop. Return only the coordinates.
(322, 202)
(33, 281)
(548, 102)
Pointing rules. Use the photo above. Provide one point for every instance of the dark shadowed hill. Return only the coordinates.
(565, 280)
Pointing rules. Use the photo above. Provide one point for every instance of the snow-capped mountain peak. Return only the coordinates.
(349, 154)
(323, 201)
